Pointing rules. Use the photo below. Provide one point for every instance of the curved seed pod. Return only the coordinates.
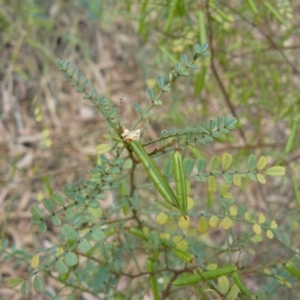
(289, 266)
(153, 280)
(180, 180)
(240, 284)
(205, 275)
(159, 181)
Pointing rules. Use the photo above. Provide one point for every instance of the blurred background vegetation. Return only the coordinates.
(49, 135)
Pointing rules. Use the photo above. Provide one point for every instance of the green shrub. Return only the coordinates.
(124, 235)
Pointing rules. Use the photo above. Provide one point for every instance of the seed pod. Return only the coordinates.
(180, 181)
(184, 256)
(240, 284)
(159, 181)
(138, 232)
(289, 266)
(205, 275)
(153, 280)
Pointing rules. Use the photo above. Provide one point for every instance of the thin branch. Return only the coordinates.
(217, 75)
(267, 36)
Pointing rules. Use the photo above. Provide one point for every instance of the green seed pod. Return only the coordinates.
(205, 275)
(182, 255)
(153, 280)
(180, 181)
(289, 266)
(159, 181)
(138, 232)
(240, 284)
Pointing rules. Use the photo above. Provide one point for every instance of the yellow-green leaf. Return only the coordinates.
(227, 195)
(14, 281)
(260, 178)
(247, 216)
(224, 192)
(96, 212)
(226, 160)
(261, 218)
(223, 283)
(162, 218)
(233, 210)
(184, 223)
(165, 236)
(103, 148)
(182, 245)
(211, 267)
(214, 221)
(273, 224)
(237, 179)
(226, 223)
(275, 171)
(177, 238)
(190, 203)
(212, 184)
(256, 238)
(203, 225)
(59, 251)
(257, 228)
(262, 162)
(233, 293)
(269, 234)
(35, 261)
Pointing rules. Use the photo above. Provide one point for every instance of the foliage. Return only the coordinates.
(118, 228)
(105, 237)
